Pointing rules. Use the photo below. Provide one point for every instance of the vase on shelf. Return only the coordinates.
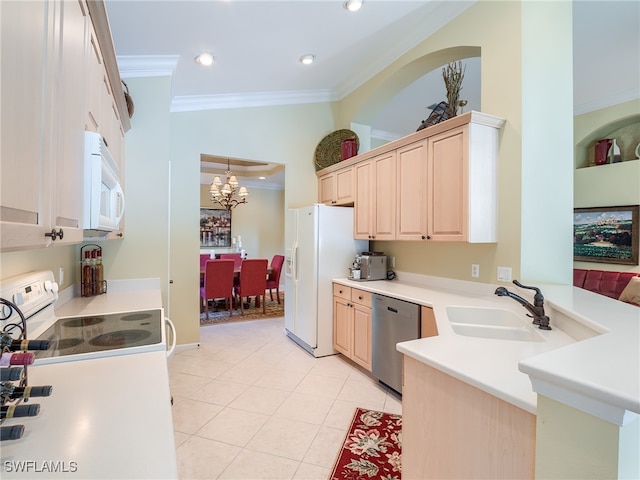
(602, 151)
(614, 152)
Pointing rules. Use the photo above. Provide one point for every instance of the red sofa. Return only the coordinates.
(603, 282)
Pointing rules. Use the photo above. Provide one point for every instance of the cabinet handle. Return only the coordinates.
(428, 237)
(53, 234)
(359, 297)
(119, 234)
(423, 237)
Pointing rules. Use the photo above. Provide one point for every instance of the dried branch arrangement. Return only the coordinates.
(453, 75)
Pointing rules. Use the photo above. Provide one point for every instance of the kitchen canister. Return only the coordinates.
(349, 148)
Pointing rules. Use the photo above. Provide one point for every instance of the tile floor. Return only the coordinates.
(251, 404)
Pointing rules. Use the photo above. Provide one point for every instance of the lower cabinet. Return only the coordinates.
(453, 430)
(352, 324)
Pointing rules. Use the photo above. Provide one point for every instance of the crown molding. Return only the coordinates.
(132, 66)
(188, 103)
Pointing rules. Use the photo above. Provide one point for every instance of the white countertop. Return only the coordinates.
(600, 375)
(107, 417)
(121, 296)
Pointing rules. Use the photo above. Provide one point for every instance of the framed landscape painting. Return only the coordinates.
(606, 234)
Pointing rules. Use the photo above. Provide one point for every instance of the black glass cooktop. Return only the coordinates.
(101, 333)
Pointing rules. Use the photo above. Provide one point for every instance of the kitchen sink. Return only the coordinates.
(521, 334)
(485, 316)
(492, 323)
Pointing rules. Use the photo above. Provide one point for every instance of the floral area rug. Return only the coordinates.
(371, 449)
(220, 315)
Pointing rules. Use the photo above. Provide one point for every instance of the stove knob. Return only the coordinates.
(18, 299)
(50, 286)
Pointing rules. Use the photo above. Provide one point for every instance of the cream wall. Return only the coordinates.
(282, 134)
(260, 222)
(510, 47)
(606, 185)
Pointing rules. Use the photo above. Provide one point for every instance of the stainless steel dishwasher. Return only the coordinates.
(394, 321)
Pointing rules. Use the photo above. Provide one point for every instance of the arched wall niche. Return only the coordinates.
(626, 129)
(407, 74)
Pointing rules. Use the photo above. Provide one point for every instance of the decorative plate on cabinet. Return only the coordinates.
(328, 150)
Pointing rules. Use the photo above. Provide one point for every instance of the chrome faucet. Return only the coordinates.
(536, 310)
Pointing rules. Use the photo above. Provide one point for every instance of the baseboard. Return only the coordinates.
(186, 346)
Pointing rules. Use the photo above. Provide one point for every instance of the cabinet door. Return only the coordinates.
(411, 216)
(326, 189)
(384, 192)
(344, 187)
(26, 27)
(95, 70)
(342, 326)
(448, 186)
(362, 336)
(70, 106)
(363, 211)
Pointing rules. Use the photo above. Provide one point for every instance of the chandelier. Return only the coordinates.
(228, 196)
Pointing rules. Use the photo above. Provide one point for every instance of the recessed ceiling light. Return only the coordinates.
(353, 5)
(307, 59)
(205, 59)
(262, 178)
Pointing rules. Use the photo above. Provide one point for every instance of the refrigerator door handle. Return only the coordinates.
(294, 263)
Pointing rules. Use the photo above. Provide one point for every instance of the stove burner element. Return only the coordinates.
(83, 322)
(135, 316)
(69, 343)
(121, 338)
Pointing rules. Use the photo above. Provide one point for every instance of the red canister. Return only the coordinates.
(349, 148)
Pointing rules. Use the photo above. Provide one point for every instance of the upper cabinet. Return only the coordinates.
(337, 188)
(375, 202)
(438, 184)
(46, 99)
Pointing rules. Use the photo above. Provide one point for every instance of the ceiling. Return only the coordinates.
(256, 45)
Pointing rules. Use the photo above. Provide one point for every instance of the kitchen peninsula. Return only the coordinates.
(589, 365)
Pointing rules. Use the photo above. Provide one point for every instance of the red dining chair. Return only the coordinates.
(218, 283)
(273, 280)
(203, 261)
(236, 257)
(253, 281)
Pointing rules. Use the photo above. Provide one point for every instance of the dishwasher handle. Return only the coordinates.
(391, 309)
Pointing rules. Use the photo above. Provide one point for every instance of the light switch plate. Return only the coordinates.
(504, 274)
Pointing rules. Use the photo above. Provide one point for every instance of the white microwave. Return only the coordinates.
(103, 195)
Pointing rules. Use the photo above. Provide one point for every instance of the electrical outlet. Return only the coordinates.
(504, 274)
(61, 276)
(393, 262)
(475, 270)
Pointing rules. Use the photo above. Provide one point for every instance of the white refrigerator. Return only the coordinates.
(319, 247)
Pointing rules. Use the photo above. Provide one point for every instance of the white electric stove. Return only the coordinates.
(87, 330)
(109, 413)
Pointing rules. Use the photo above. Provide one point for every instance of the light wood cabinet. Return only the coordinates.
(448, 193)
(337, 188)
(428, 326)
(412, 193)
(453, 430)
(438, 184)
(375, 200)
(352, 324)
